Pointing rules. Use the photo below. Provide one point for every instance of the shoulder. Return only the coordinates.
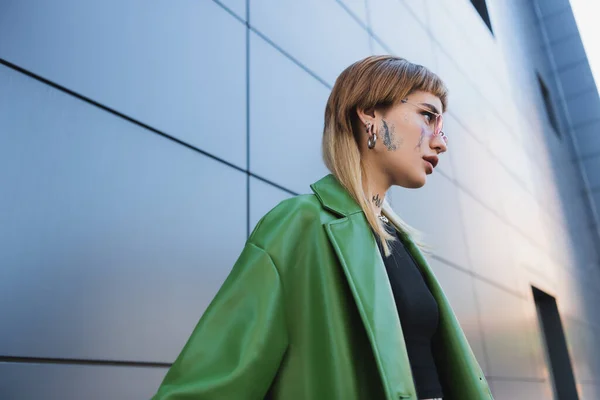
(300, 206)
(292, 218)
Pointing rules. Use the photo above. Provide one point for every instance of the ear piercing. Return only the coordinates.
(372, 136)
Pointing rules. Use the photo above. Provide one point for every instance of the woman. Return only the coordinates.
(331, 298)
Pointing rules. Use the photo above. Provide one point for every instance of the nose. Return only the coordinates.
(438, 143)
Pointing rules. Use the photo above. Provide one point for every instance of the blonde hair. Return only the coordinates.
(374, 82)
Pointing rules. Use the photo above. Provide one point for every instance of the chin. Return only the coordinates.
(420, 184)
(421, 181)
(416, 183)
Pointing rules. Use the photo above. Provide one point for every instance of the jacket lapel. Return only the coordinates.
(357, 251)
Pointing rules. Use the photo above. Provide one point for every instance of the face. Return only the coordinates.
(407, 145)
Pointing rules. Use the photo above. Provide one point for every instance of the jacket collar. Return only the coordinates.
(334, 197)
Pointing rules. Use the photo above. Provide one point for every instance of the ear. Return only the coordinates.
(365, 115)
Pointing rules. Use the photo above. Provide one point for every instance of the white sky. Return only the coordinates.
(586, 14)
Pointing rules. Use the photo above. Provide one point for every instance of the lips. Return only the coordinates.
(433, 160)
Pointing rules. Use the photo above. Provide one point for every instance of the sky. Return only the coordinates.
(586, 14)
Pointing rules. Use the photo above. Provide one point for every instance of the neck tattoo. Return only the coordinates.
(377, 200)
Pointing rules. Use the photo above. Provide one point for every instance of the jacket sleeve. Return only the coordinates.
(236, 349)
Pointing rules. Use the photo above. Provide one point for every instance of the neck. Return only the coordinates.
(379, 186)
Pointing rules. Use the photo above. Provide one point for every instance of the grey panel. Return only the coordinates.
(501, 142)
(561, 25)
(378, 49)
(588, 139)
(577, 79)
(569, 297)
(580, 342)
(424, 210)
(263, 197)
(466, 38)
(114, 239)
(505, 331)
(286, 119)
(476, 170)
(77, 382)
(319, 34)
(522, 210)
(420, 9)
(584, 108)
(584, 245)
(568, 178)
(485, 235)
(548, 7)
(528, 259)
(463, 99)
(567, 52)
(177, 66)
(592, 169)
(358, 8)
(519, 390)
(594, 344)
(576, 211)
(237, 6)
(589, 390)
(458, 287)
(596, 198)
(397, 27)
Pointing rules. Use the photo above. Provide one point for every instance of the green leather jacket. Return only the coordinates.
(307, 312)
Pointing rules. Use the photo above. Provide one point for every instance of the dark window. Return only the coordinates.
(557, 353)
(548, 104)
(481, 8)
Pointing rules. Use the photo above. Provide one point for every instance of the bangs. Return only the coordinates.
(394, 78)
(427, 81)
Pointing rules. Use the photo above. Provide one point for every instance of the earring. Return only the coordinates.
(372, 136)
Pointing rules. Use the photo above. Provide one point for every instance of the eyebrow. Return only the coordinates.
(431, 107)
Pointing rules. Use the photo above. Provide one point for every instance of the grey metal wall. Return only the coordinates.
(140, 141)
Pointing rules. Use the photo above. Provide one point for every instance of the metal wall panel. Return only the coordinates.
(25, 381)
(114, 239)
(155, 61)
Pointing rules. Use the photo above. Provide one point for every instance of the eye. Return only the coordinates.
(429, 117)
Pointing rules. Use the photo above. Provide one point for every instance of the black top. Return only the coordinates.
(418, 312)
